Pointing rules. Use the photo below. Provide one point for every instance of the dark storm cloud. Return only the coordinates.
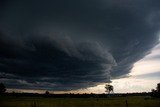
(68, 44)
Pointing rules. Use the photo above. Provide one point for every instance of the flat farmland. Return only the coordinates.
(132, 101)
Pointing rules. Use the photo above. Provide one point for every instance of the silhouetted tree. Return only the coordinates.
(158, 87)
(2, 88)
(47, 92)
(109, 88)
(153, 90)
(156, 93)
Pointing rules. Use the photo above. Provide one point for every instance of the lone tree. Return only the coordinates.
(158, 87)
(156, 93)
(47, 93)
(2, 88)
(109, 88)
(157, 90)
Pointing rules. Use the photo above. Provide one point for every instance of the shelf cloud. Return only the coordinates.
(68, 44)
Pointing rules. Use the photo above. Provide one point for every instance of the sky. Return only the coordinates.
(79, 46)
(143, 77)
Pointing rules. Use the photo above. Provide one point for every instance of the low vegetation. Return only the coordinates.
(130, 101)
(151, 99)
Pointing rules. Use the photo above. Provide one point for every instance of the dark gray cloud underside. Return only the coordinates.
(64, 45)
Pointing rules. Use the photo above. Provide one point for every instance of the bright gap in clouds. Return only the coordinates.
(149, 64)
(144, 76)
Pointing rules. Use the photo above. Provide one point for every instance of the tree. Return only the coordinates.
(158, 87)
(47, 92)
(153, 90)
(156, 93)
(2, 88)
(109, 88)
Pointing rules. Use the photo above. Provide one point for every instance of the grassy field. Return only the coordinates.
(79, 102)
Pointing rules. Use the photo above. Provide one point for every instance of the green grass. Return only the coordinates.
(79, 102)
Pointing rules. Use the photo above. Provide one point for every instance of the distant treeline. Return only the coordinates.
(71, 95)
